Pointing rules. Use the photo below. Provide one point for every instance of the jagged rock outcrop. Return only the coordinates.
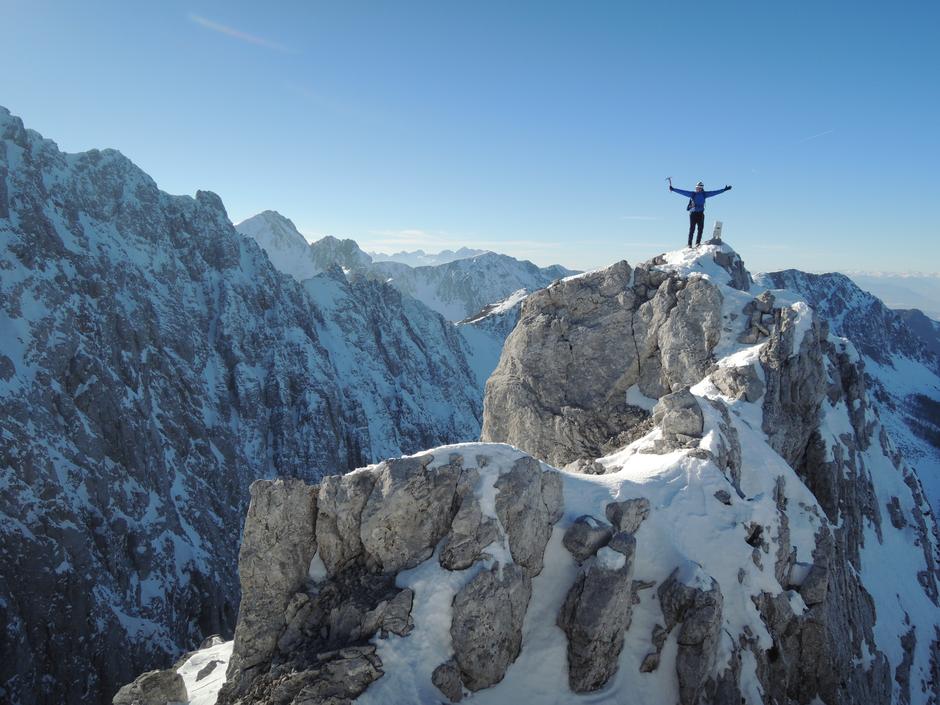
(816, 414)
(278, 544)
(153, 688)
(902, 362)
(153, 365)
(338, 556)
(560, 389)
(596, 614)
(698, 608)
(486, 630)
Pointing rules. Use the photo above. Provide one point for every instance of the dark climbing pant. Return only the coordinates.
(699, 220)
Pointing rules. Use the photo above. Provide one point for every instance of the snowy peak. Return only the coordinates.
(270, 228)
(456, 289)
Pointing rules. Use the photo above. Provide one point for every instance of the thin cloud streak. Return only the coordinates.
(238, 34)
(813, 137)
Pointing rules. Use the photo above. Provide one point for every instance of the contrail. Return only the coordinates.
(237, 34)
(812, 137)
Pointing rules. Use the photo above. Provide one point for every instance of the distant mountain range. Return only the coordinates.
(420, 258)
(912, 290)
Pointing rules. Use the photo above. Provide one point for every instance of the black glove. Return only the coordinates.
(727, 188)
(671, 188)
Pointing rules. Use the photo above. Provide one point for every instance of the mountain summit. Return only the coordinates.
(732, 523)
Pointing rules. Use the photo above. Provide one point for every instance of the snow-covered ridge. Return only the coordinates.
(755, 539)
(901, 351)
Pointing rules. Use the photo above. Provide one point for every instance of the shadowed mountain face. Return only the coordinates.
(153, 363)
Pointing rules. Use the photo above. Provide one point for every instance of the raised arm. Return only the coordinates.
(709, 194)
(687, 194)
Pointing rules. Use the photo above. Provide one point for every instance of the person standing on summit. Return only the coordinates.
(696, 207)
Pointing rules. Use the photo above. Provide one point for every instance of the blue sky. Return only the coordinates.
(543, 130)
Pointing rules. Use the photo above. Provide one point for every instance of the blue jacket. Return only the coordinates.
(698, 197)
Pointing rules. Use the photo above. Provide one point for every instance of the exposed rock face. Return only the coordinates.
(559, 391)
(153, 688)
(596, 614)
(153, 365)
(896, 342)
(699, 611)
(408, 511)
(277, 546)
(470, 533)
(528, 503)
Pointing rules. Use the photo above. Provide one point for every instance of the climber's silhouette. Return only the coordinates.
(696, 207)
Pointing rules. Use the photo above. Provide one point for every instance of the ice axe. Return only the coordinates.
(669, 179)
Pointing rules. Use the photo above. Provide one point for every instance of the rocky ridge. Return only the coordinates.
(902, 362)
(748, 533)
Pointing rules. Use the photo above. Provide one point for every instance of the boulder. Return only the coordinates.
(523, 512)
(153, 688)
(628, 514)
(738, 382)
(597, 612)
(446, 678)
(486, 629)
(678, 414)
(585, 535)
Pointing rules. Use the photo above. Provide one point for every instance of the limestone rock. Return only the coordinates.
(341, 501)
(521, 508)
(408, 511)
(446, 679)
(738, 382)
(678, 414)
(732, 263)
(628, 514)
(585, 535)
(470, 533)
(597, 612)
(278, 544)
(699, 612)
(486, 629)
(153, 688)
